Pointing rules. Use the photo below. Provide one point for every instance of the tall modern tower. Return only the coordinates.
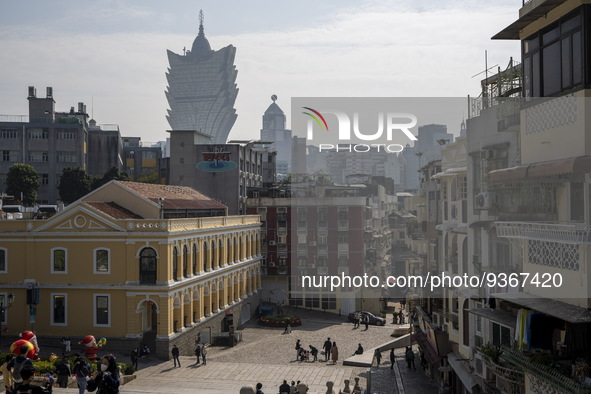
(202, 89)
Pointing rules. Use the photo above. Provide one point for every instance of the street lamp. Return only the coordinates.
(5, 304)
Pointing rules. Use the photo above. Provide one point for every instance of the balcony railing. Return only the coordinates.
(550, 232)
(547, 379)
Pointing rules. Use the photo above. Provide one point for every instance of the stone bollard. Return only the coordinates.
(347, 389)
(356, 388)
(329, 386)
(247, 390)
(302, 388)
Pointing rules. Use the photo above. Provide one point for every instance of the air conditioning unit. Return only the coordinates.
(312, 243)
(322, 270)
(443, 326)
(272, 243)
(312, 265)
(486, 200)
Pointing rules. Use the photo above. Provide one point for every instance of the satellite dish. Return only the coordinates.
(274, 97)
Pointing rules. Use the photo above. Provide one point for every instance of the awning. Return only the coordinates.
(508, 174)
(430, 353)
(496, 315)
(460, 230)
(485, 224)
(446, 226)
(534, 11)
(461, 371)
(561, 310)
(573, 165)
(450, 172)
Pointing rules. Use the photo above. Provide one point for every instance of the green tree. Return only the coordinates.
(75, 183)
(23, 180)
(113, 174)
(149, 177)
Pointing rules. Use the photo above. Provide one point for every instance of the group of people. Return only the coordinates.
(329, 350)
(294, 388)
(19, 372)
(357, 320)
(409, 356)
(200, 353)
(143, 351)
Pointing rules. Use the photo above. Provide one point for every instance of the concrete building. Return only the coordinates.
(142, 159)
(105, 148)
(202, 89)
(225, 172)
(274, 131)
(48, 140)
(136, 263)
(341, 164)
(318, 228)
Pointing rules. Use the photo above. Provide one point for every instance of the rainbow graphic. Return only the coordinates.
(316, 118)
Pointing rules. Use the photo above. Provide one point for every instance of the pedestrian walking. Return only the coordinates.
(410, 358)
(259, 387)
(377, 355)
(356, 319)
(197, 352)
(401, 317)
(63, 372)
(134, 359)
(334, 351)
(18, 363)
(394, 317)
(203, 353)
(327, 346)
(82, 373)
(175, 356)
(298, 346)
(423, 361)
(314, 352)
(366, 321)
(392, 359)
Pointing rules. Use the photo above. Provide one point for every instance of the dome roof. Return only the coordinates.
(274, 109)
(201, 46)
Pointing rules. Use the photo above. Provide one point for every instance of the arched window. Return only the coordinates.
(175, 263)
(195, 258)
(185, 261)
(148, 266)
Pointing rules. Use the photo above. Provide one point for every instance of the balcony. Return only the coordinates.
(552, 378)
(575, 234)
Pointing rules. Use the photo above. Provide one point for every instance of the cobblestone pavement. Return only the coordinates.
(267, 355)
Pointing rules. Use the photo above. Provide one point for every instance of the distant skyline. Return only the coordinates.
(112, 54)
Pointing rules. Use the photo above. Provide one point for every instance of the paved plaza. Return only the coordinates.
(267, 355)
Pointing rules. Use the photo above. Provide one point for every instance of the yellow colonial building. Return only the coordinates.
(135, 263)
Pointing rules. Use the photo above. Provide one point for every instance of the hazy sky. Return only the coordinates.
(113, 52)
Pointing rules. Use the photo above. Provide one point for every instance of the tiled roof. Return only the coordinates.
(175, 197)
(113, 210)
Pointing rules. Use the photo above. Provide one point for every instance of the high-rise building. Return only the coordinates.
(105, 148)
(202, 89)
(274, 131)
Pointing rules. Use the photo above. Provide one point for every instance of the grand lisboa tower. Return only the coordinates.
(202, 89)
